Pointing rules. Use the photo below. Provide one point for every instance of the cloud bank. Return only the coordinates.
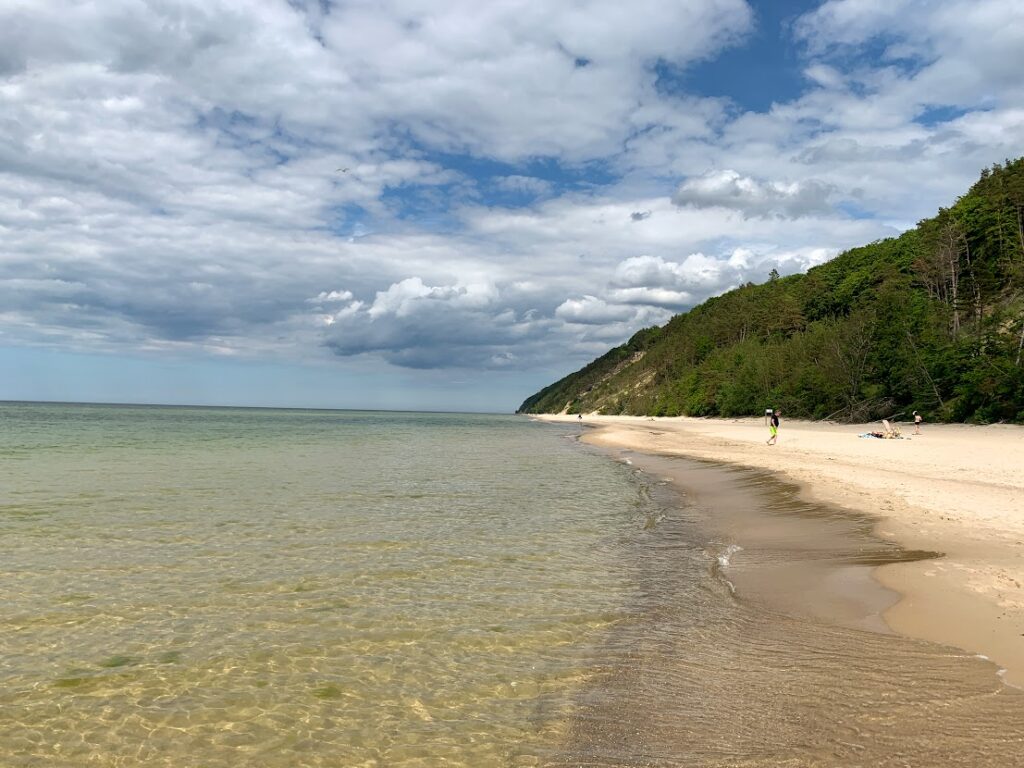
(513, 186)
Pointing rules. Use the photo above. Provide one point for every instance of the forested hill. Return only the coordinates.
(932, 320)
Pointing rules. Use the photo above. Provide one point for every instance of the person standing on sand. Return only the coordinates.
(917, 423)
(773, 428)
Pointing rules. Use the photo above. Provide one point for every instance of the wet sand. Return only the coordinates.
(756, 640)
(956, 490)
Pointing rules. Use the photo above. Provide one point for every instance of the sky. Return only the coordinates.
(417, 205)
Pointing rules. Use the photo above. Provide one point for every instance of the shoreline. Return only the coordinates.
(748, 601)
(955, 489)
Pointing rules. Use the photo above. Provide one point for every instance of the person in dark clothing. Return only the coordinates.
(773, 428)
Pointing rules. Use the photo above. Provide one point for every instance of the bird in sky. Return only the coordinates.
(342, 170)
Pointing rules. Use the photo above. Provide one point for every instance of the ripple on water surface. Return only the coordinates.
(217, 587)
(720, 670)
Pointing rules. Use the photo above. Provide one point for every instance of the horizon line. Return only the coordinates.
(4, 401)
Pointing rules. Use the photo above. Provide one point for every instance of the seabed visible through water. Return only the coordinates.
(213, 588)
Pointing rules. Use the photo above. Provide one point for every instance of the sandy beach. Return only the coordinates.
(955, 489)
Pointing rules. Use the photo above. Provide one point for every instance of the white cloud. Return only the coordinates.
(664, 298)
(590, 310)
(330, 297)
(754, 197)
(416, 325)
(243, 178)
(825, 76)
(887, 135)
(696, 272)
(638, 271)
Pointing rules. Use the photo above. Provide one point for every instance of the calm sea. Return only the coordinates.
(215, 587)
(207, 587)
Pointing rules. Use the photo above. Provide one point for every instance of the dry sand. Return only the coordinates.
(954, 489)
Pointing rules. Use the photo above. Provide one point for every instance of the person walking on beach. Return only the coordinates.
(917, 423)
(773, 428)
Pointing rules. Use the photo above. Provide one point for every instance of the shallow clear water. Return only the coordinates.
(226, 586)
(747, 646)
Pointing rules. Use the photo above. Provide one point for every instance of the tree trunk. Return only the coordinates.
(1020, 227)
(924, 370)
(949, 248)
(975, 288)
(954, 285)
(1020, 344)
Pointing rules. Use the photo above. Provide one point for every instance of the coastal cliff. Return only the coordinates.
(932, 320)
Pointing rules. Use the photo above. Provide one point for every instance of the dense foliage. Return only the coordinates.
(932, 321)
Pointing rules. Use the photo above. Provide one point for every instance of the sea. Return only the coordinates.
(205, 587)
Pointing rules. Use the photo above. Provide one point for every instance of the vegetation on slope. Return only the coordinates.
(932, 321)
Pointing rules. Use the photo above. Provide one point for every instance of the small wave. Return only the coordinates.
(725, 558)
(1001, 674)
(720, 563)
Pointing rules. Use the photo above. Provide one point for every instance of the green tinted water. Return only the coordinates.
(217, 587)
(203, 588)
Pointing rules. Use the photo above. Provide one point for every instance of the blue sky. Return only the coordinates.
(403, 204)
(764, 66)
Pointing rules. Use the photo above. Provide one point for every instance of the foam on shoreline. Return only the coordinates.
(753, 636)
(956, 490)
